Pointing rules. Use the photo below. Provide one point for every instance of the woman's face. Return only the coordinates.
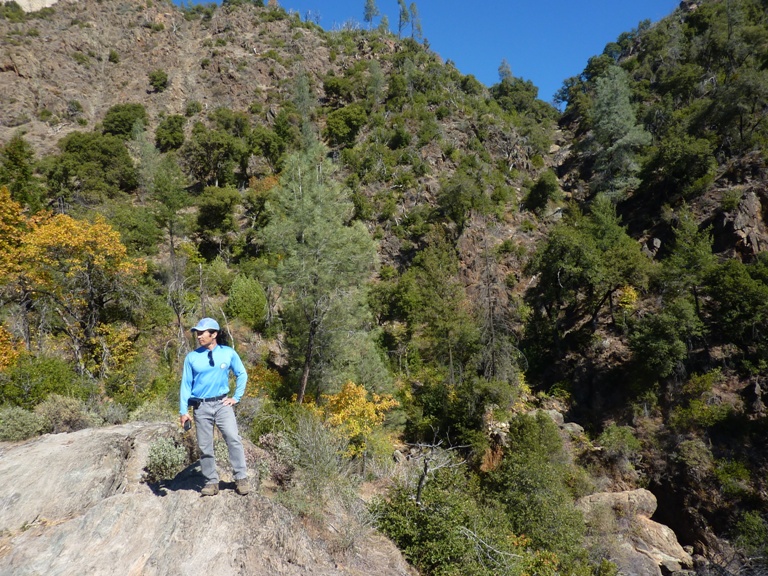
(206, 338)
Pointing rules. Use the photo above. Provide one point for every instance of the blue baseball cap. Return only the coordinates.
(206, 324)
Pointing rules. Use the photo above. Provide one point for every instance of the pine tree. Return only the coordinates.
(618, 136)
(371, 11)
(416, 32)
(403, 17)
(324, 257)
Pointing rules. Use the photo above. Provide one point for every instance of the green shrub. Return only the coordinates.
(111, 412)
(455, 530)
(532, 482)
(33, 378)
(317, 454)
(342, 125)
(699, 414)
(120, 119)
(67, 414)
(169, 134)
(158, 79)
(166, 458)
(74, 108)
(193, 107)
(247, 301)
(12, 12)
(545, 190)
(619, 442)
(695, 457)
(114, 56)
(733, 477)
(751, 534)
(81, 58)
(19, 424)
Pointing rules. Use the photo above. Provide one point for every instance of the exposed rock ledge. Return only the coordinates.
(33, 5)
(638, 545)
(73, 504)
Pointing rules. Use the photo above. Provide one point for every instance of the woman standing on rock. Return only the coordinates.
(204, 387)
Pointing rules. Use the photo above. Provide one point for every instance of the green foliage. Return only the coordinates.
(471, 85)
(165, 460)
(545, 190)
(138, 229)
(247, 301)
(739, 305)
(211, 156)
(121, 118)
(617, 135)
(199, 11)
(19, 424)
(91, 167)
(462, 195)
(521, 96)
(193, 107)
(619, 442)
(659, 341)
(33, 378)
(217, 210)
(114, 56)
(235, 3)
(169, 134)
(81, 59)
(733, 477)
(158, 79)
(450, 531)
(582, 264)
(532, 485)
(682, 165)
(318, 454)
(751, 534)
(699, 413)
(342, 125)
(324, 258)
(17, 164)
(12, 12)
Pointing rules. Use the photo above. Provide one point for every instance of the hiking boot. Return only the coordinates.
(242, 486)
(210, 489)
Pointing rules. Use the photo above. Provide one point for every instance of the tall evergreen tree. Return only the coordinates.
(324, 257)
(403, 17)
(371, 11)
(618, 136)
(416, 32)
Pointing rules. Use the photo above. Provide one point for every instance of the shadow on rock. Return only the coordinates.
(191, 479)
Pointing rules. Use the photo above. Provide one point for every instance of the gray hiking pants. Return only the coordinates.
(206, 415)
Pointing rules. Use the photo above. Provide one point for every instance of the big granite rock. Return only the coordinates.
(629, 538)
(74, 504)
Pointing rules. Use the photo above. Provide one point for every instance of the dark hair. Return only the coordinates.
(221, 338)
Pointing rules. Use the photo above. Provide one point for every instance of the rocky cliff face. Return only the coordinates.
(62, 72)
(73, 504)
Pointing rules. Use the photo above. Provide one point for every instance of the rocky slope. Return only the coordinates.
(74, 504)
(61, 63)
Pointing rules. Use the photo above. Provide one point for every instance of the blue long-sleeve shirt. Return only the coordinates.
(206, 375)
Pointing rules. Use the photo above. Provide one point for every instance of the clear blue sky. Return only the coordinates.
(545, 41)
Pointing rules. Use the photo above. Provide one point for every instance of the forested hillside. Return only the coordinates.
(407, 261)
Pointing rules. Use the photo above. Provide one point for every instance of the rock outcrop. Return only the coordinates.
(33, 5)
(73, 504)
(628, 537)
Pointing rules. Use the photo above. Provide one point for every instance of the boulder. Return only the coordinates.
(622, 527)
(73, 504)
